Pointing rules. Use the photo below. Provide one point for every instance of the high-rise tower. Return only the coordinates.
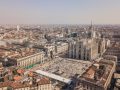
(18, 27)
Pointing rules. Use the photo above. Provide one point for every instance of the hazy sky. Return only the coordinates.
(59, 11)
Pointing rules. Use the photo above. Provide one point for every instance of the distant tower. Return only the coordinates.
(91, 26)
(18, 27)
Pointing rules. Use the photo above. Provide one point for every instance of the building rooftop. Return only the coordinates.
(16, 53)
(25, 82)
(98, 73)
(14, 35)
(5, 84)
(53, 76)
(42, 81)
(67, 68)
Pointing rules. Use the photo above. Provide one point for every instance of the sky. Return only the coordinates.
(59, 11)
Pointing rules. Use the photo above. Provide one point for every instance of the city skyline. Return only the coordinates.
(59, 12)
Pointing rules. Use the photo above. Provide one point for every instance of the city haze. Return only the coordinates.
(59, 11)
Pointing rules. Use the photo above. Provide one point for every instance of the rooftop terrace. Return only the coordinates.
(67, 68)
(98, 73)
